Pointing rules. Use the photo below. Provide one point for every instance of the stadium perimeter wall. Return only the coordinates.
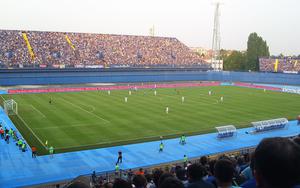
(78, 76)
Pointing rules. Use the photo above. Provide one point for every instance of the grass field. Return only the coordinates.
(84, 120)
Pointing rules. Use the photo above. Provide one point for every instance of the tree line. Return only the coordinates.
(248, 60)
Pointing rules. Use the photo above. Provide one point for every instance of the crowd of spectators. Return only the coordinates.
(58, 49)
(275, 163)
(284, 65)
(13, 50)
(10, 136)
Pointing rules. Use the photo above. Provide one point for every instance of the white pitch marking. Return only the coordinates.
(32, 131)
(38, 111)
(85, 110)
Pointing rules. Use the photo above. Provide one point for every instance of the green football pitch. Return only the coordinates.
(85, 120)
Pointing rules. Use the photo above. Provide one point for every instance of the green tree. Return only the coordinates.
(235, 61)
(256, 47)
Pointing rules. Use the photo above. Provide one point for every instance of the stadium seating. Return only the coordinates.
(61, 50)
(261, 126)
(288, 65)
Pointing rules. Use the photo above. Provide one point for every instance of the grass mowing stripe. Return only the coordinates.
(73, 104)
(43, 115)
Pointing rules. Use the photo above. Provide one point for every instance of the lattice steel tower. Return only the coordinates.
(216, 59)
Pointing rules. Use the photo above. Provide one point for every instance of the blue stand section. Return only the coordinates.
(19, 169)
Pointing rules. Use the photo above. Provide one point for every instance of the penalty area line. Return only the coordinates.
(75, 105)
(38, 111)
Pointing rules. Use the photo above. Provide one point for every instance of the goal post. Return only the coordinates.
(10, 107)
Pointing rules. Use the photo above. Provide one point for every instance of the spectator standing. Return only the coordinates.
(161, 147)
(120, 183)
(182, 140)
(51, 151)
(20, 142)
(117, 168)
(163, 177)
(94, 178)
(185, 160)
(224, 173)
(277, 163)
(156, 176)
(120, 157)
(195, 173)
(24, 147)
(181, 174)
(140, 172)
(7, 138)
(171, 182)
(2, 133)
(139, 181)
(33, 150)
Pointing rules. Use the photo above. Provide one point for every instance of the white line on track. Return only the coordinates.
(95, 115)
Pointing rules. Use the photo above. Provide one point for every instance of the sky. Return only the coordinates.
(191, 21)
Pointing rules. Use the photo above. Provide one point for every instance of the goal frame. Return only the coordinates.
(10, 107)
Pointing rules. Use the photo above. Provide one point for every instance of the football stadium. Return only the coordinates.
(80, 109)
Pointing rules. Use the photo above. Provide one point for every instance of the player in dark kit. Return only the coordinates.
(50, 101)
(298, 123)
(119, 157)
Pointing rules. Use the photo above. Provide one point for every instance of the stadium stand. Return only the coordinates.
(286, 65)
(21, 49)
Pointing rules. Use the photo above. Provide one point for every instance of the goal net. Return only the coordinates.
(10, 107)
